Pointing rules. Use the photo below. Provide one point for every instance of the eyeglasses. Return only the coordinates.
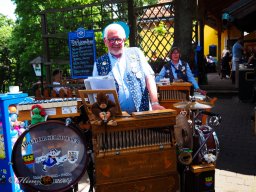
(116, 40)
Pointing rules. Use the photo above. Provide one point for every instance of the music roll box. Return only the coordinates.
(200, 178)
(173, 93)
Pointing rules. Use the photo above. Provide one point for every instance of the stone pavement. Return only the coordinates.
(236, 165)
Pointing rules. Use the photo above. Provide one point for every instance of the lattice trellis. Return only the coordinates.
(194, 33)
(155, 32)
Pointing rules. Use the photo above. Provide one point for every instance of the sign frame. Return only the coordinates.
(81, 62)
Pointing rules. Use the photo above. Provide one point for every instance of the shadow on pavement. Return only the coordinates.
(237, 141)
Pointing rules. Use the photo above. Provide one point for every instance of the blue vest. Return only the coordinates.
(135, 78)
(181, 71)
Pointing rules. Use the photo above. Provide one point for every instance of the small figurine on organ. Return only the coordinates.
(104, 109)
(38, 114)
(14, 123)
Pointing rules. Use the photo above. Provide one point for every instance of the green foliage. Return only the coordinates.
(144, 2)
(7, 63)
(26, 42)
(160, 29)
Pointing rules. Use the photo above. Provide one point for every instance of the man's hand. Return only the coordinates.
(157, 107)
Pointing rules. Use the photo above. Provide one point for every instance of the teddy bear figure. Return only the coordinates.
(104, 109)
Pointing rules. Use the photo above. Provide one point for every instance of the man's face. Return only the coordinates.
(114, 42)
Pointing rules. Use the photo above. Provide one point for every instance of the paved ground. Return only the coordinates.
(236, 165)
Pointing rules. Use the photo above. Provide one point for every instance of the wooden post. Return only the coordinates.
(131, 22)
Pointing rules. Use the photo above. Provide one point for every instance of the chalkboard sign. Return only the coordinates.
(82, 51)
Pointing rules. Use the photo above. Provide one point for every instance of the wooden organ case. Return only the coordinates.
(136, 155)
(173, 93)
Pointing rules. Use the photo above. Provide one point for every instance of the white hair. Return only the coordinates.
(115, 26)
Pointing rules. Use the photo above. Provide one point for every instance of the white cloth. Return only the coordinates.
(57, 89)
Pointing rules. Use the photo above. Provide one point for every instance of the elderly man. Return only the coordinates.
(133, 75)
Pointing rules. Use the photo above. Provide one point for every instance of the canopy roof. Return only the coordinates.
(242, 13)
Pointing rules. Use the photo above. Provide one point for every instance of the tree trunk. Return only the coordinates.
(184, 14)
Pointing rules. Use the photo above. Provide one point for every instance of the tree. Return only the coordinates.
(26, 42)
(184, 14)
(6, 61)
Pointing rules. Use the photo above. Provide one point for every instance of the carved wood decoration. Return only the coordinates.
(136, 155)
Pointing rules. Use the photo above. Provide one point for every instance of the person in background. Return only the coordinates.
(252, 59)
(224, 51)
(225, 67)
(178, 70)
(237, 53)
(134, 78)
(247, 53)
(57, 76)
(210, 63)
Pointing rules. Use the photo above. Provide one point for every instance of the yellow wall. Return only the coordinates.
(210, 38)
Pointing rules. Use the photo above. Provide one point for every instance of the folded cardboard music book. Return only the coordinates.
(99, 83)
